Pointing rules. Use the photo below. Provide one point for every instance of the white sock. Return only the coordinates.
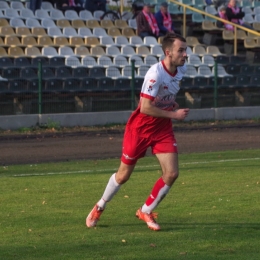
(111, 189)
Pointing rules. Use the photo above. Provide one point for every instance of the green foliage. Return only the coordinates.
(51, 125)
(211, 212)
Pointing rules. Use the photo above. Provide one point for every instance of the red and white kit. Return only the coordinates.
(142, 130)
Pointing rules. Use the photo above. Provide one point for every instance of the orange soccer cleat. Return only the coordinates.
(149, 219)
(93, 216)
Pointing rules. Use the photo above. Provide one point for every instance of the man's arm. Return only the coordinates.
(159, 20)
(147, 107)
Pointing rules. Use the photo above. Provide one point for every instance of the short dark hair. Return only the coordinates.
(169, 39)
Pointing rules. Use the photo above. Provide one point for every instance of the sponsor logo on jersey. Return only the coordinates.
(128, 157)
(150, 88)
(152, 80)
(165, 87)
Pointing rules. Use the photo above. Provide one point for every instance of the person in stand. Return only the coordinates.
(235, 15)
(65, 5)
(146, 23)
(35, 5)
(150, 125)
(95, 5)
(222, 15)
(164, 20)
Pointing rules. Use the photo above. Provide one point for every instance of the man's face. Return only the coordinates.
(177, 53)
(164, 9)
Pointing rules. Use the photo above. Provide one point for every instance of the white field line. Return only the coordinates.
(137, 167)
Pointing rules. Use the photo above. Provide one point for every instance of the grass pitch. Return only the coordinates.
(211, 212)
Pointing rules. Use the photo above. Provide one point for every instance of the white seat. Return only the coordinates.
(208, 59)
(191, 71)
(31, 22)
(257, 10)
(106, 40)
(142, 70)
(199, 50)
(54, 32)
(42, 14)
(4, 5)
(151, 41)
(138, 60)
(66, 51)
(71, 15)
(86, 15)
(56, 14)
(16, 22)
(69, 32)
(11, 13)
(247, 10)
(98, 31)
(73, 62)
(17, 5)
(104, 61)
(128, 50)
(47, 6)
(132, 23)
(205, 71)
(121, 61)
(113, 72)
(221, 71)
(84, 32)
(210, 9)
(257, 17)
(248, 18)
(157, 50)
(113, 50)
(121, 40)
(89, 61)
(136, 41)
(49, 51)
(150, 60)
(26, 13)
(47, 23)
(97, 14)
(194, 60)
(127, 71)
(189, 51)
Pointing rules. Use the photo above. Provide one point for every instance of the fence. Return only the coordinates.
(47, 87)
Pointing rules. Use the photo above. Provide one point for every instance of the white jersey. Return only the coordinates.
(161, 87)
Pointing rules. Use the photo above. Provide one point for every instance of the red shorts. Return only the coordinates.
(134, 146)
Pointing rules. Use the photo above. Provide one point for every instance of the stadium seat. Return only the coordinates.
(77, 24)
(193, 41)
(15, 51)
(49, 51)
(71, 15)
(142, 70)
(28, 40)
(42, 14)
(128, 32)
(233, 69)
(6, 62)
(81, 51)
(89, 61)
(127, 51)
(228, 82)
(32, 23)
(66, 51)
(61, 41)
(53, 85)
(199, 50)
(38, 31)
(86, 15)
(76, 41)
(40, 59)
(54, 32)
(208, 59)
(97, 72)
(88, 84)
(194, 60)
(222, 59)
(97, 51)
(98, 32)
(80, 72)
(104, 61)
(56, 14)
(106, 24)
(63, 72)
(10, 13)
(69, 32)
(72, 61)
(47, 6)
(16, 22)
(205, 71)
(22, 62)
(84, 32)
(113, 50)
(47, 23)
(200, 82)
(56, 61)
(32, 51)
(121, 24)
(120, 60)
(91, 24)
(107, 40)
(10, 73)
(143, 50)
(12, 40)
(157, 51)
(113, 72)
(150, 60)
(28, 73)
(105, 84)
(122, 84)
(114, 32)
(242, 81)
(17, 5)
(71, 85)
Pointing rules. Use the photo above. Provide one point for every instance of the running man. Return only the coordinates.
(150, 125)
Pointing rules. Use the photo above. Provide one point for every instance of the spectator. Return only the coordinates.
(217, 3)
(65, 5)
(234, 14)
(35, 5)
(164, 19)
(146, 23)
(222, 15)
(95, 5)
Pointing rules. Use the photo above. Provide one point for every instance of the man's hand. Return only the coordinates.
(180, 114)
(175, 106)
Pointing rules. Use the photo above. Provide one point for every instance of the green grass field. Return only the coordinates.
(212, 211)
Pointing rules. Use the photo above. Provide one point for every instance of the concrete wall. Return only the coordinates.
(103, 118)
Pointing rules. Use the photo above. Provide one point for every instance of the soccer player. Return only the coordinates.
(150, 125)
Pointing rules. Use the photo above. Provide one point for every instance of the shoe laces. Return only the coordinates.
(97, 213)
(153, 216)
